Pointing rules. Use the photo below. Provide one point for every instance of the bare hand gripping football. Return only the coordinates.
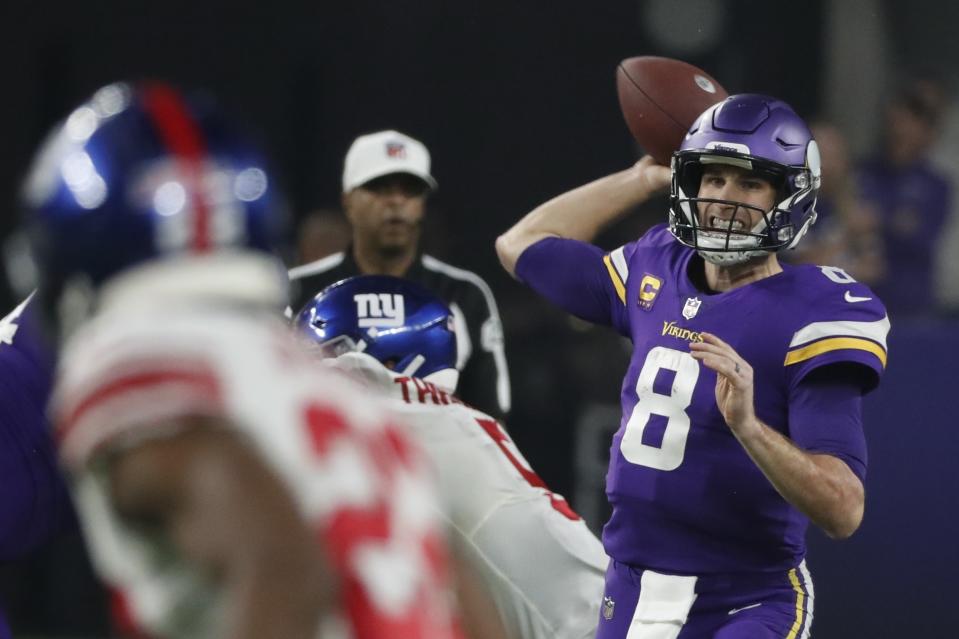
(661, 98)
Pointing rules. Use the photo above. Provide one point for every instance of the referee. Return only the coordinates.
(386, 179)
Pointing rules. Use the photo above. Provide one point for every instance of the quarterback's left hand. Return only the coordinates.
(734, 383)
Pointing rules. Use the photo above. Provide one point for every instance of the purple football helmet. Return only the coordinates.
(763, 135)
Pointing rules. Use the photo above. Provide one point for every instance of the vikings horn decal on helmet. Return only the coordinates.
(396, 321)
(141, 173)
(761, 134)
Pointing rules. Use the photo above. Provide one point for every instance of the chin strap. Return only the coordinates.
(726, 258)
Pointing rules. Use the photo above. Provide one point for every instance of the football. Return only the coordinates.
(661, 98)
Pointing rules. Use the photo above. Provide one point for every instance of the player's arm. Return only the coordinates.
(821, 485)
(208, 492)
(583, 212)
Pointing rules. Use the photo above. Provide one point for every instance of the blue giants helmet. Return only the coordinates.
(142, 173)
(396, 321)
(761, 134)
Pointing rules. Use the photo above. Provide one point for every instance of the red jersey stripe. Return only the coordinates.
(203, 382)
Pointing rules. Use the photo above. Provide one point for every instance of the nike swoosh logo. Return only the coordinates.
(735, 610)
(852, 299)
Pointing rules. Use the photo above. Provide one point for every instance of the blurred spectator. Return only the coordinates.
(945, 155)
(910, 197)
(320, 233)
(846, 232)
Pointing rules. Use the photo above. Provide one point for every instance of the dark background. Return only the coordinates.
(516, 101)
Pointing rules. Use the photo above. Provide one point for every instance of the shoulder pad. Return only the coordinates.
(617, 261)
(839, 320)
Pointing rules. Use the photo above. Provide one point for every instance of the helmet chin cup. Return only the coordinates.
(725, 248)
(728, 258)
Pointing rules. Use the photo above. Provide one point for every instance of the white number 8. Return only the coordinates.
(673, 406)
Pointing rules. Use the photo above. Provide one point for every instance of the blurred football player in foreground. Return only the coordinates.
(541, 564)
(741, 407)
(228, 487)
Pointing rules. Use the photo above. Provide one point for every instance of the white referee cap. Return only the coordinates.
(382, 153)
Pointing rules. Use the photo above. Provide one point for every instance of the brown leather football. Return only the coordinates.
(661, 98)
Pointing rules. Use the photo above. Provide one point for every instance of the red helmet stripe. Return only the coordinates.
(181, 134)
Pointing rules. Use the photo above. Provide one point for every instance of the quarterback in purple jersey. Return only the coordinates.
(742, 402)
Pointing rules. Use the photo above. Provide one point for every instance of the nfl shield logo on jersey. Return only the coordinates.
(691, 307)
(608, 605)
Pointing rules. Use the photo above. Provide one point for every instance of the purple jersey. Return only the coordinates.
(33, 502)
(686, 497)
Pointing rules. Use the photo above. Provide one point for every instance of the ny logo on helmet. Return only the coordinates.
(380, 310)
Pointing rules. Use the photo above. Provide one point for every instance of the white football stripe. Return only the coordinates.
(876, 331)
(663, 606)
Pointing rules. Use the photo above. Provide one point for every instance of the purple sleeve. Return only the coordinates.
(838, 324)
(33, 496)
(825, 416)
(572, 275)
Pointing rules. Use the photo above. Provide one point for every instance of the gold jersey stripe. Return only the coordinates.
(613, 275)
(835, 344)
(800, 600)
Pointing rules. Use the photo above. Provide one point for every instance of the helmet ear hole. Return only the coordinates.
(391, 362)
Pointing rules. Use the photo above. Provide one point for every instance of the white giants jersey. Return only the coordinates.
(354, 476)
(543, 566)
